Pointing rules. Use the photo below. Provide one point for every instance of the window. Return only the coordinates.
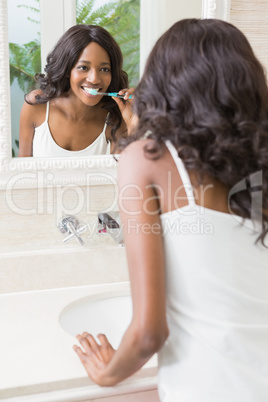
(24, 54)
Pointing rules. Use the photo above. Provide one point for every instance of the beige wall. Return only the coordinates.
(252, 18)
(29, 217)
(32, 253)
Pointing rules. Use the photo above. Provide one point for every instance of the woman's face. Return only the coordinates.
(92, 71)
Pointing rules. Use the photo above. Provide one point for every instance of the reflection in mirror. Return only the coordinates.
(156, 16)
(30, 172)
(122, 23)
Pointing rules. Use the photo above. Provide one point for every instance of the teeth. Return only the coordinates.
(90, 90)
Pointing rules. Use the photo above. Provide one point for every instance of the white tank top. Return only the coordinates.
(217, 306)
(45, 146)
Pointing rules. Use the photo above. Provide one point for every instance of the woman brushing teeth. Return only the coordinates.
(69, 115)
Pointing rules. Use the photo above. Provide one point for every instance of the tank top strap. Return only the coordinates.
(104, 128)
(47, 111)
(182, 172)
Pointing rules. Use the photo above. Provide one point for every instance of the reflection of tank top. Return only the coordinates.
(45, 146)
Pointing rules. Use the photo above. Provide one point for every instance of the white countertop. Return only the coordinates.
(36, 354)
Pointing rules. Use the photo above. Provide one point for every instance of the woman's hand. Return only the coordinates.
(127, 92)
(95, 356)
(126, 108)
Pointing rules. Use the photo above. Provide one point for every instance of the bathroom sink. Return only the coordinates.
(107, 314)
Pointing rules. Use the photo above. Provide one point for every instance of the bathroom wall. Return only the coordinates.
(252, 18)
(29, 217)
(32, 253)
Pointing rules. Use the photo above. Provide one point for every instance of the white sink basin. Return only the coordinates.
(107, 314)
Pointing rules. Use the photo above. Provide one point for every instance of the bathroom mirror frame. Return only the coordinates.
(26, 172)
(216, 9)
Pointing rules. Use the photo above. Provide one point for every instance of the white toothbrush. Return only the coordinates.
(94, 92)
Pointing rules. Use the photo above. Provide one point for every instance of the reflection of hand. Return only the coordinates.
(95, 356)
(126, 92)
(126, 108)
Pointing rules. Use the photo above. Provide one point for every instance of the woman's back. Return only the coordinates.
(216, 284)
(217, 307)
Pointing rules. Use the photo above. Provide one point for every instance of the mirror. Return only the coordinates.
(30, 172)
(34, 33)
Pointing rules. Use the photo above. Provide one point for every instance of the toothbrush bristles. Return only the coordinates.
(93, 92)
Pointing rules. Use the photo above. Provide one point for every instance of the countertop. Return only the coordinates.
(36, 354)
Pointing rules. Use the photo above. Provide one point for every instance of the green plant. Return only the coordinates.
(25, 60)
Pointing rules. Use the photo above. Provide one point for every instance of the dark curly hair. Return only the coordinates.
(205, 91)
(61, 60)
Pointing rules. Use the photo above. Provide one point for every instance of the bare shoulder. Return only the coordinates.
(135, 164)
(33, 112)
(134, 151)
(137, 151)
(29, 105)
(30, 97)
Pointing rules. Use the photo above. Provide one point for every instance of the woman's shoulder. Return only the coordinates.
(143, 149)
(31, 96)
(32, 111)
(133, 150)
(136, 162)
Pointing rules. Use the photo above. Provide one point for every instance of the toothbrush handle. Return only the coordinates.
(118, 96)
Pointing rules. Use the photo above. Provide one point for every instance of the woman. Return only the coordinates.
(62, 118)
(194, 208)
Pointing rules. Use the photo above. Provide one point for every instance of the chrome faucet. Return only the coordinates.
(70, 225)
(109, 224)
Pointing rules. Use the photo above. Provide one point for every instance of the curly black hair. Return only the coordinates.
(61, 60)
(205, 91)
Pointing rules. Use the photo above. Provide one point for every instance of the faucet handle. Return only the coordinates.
(70, 225)
(109, 224)
(107, 221)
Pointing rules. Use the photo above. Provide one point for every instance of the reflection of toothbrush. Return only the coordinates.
(92, 91)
